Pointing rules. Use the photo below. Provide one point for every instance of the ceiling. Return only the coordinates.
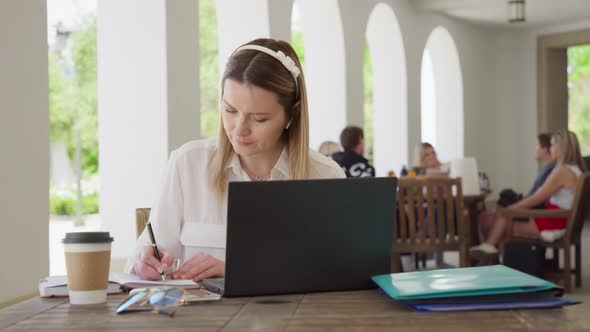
(495, 12)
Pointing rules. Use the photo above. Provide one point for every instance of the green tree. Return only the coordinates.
(209, 68)
(368, 108)
(579, 94)
(73, 96)
(297, 43)
(62, 111)
(73, 101)
(84, 58)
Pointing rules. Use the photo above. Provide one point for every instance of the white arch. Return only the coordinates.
(325, 68)
(442, 95)
(390, 103)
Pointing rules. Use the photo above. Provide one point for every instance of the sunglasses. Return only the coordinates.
(159, 300)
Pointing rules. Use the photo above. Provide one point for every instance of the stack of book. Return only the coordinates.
(474, 288)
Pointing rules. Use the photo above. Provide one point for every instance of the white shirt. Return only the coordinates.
(188, 217)
(564, 197)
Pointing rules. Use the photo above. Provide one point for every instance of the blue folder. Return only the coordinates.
(556, 302)
(471, 281)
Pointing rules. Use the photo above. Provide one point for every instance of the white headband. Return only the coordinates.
(279, 55)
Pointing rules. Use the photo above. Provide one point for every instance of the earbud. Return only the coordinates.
(288, 124)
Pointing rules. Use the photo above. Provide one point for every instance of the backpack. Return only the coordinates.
(508, 197)
(527, 256)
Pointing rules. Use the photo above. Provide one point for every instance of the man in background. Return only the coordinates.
(543, 156)
(351, 159)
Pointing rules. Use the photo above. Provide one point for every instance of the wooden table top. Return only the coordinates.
(358, 311)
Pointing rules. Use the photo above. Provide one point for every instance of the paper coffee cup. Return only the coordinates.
(88, 258)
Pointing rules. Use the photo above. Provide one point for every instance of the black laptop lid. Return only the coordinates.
(307, 236)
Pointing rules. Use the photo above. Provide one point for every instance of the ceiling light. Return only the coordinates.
(516, 11)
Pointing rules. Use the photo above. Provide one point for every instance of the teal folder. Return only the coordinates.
(469, 281)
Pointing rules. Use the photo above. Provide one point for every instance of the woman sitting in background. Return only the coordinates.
(428, 161)
(328, 148)
(558, 191)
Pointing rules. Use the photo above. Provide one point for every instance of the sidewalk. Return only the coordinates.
(58, 227)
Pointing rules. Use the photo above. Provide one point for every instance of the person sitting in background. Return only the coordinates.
(543, 156)
(351, 159)
(328, 148)
(558, 192)
(509, 197)
(428, 161)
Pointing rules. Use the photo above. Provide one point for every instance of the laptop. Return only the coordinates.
(302, 236)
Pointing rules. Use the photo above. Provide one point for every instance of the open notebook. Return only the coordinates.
(57, 286)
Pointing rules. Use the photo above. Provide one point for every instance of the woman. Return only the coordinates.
(263, 136)
(428, 160)
(328, 148)
(558, 191)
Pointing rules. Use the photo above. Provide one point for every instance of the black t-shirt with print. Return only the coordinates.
(353, 164)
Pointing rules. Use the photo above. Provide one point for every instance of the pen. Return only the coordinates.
(155, 247)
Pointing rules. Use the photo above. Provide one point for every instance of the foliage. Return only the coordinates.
(209, 68)
(579, 94)
(72, 96)
(368, 108)
(578, 60)
(59, 205)
(297, 43)
(62, 110)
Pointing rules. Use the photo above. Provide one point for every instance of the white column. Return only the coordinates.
(355, 14)
(239, 22)
(325, 69)
(182, 46)
(148, 102)
(279, 15)
(448, 82)
(24, 142)
(390, 104)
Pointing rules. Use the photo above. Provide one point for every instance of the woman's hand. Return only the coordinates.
(148, 267)
(200, 266)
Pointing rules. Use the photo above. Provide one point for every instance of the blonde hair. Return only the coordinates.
(420, 153)
(570, 149)
(264, 71)
(328, 148)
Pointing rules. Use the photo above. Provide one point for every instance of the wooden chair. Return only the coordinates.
(430, 218)
(142, 215)
(572, 237)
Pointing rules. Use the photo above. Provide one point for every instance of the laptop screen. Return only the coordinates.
(310, 235)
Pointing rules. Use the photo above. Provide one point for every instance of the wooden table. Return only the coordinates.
(358, 311)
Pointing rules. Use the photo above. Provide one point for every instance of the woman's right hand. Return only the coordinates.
(148, 267)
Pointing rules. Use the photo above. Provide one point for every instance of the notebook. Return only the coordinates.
(57, 286)
(470, 281)
(130, 281)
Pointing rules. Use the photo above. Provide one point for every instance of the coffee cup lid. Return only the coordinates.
(88, 237)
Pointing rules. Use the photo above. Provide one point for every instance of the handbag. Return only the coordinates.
(527, 256)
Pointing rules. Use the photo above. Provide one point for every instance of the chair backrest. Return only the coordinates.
(142, 215)
(579, 209)
(427, 210)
